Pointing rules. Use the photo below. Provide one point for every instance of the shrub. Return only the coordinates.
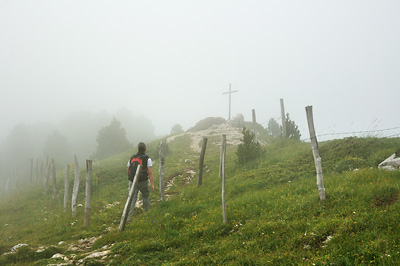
(249, 149)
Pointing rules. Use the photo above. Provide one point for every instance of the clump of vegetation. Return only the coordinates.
(176, 129)
(292, 130)
(111, 140)
(249, 150)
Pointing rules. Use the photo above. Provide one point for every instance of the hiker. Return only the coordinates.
(145, 175)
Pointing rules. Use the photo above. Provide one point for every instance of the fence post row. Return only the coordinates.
(201, 162)
(315, 150)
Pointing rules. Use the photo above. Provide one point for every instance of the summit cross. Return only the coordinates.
(230, 93)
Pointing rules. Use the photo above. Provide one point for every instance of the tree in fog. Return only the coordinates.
(273, 128)
(292, 131)
(138, 128)
(111, 140)
(19, 147)
(57, 147)
(249, 149)
(82, 128)
(176, 129)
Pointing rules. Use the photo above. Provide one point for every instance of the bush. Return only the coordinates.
(249, 150)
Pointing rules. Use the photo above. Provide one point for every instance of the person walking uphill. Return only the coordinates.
(145, 175)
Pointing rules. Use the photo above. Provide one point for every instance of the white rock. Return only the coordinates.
(98, 254)
(58, 256)
(40, 249)
(16, 247)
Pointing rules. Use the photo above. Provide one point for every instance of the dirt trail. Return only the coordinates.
(233, 135)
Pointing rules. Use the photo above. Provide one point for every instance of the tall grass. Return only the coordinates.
(274, 213)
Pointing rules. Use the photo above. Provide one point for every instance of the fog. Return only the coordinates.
(171, 61)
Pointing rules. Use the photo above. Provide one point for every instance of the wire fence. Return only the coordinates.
(382, 133)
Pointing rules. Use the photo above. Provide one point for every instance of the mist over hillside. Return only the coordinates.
(72, 135)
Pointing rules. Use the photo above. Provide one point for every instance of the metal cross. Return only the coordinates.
(230, 93)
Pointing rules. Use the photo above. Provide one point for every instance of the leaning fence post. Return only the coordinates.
(88, 195)
(76, 187)
(223, 152)
(315, 150)
(162, 171)
(66, 187)
(129, 200)
(201, 162)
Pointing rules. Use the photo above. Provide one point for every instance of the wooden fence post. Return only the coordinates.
(41, 171)
(16, 178)
(162, 171)
(88, 197)
(254, 125)
(31, 174)
(46, 177)
(315, 150)
(37, 171)
(220, 158)
(283, 117)
(129, 200)
(223, 152)
(7, 185)
(53, 170)
(201, 162)
(76, 187)
(66, 187)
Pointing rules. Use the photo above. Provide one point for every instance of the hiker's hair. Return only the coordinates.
(141, 148)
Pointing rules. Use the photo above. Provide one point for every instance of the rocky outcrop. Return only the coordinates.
(207, 123)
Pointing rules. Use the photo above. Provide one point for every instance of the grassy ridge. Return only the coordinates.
(274, 213)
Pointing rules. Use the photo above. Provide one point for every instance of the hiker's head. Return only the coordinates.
(141, 147)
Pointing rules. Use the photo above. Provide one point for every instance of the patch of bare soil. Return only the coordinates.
(386, 201)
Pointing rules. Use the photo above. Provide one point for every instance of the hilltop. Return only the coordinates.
(274, 212)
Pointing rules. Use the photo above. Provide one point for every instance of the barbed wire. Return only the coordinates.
(360, 132)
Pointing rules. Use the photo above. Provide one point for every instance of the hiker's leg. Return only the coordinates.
(144, 189)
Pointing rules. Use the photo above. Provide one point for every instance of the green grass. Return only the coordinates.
(274, 213)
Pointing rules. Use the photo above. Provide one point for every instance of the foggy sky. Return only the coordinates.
(172, 60)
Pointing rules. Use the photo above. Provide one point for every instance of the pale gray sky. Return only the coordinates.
(172, 60)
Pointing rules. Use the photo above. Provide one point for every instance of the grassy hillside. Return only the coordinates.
(274, 213)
